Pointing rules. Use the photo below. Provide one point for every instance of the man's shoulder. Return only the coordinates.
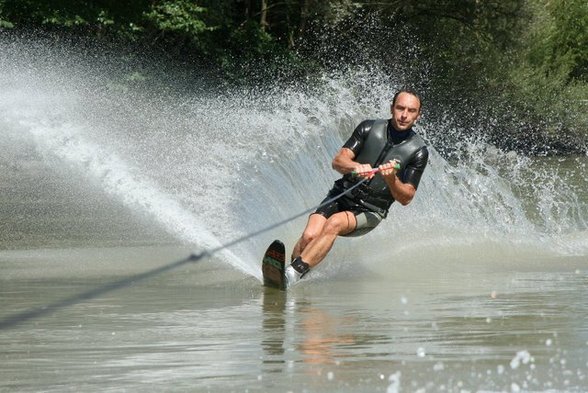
(363, 129)
(414, 135)
(359, 136)
(370, 122)
(366, 125)
(421, 157)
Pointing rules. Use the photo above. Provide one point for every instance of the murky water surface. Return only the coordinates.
(465, 327)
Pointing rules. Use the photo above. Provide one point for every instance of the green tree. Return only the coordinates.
(559, 40)
(532, 54)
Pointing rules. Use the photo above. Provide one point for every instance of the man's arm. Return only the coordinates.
(344, 164)
(403, 193)
(343, 161)
(404, 190)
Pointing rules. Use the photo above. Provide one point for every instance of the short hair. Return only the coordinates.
(408, 91)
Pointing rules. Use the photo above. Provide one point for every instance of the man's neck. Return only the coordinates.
(395, 135)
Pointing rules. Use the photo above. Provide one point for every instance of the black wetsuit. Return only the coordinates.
(411, 171)
(359, 200)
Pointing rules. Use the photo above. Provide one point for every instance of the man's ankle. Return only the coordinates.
(300, 266)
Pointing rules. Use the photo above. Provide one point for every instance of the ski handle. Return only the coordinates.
(375, 170)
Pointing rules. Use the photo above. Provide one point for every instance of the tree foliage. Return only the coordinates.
(531, 53)
(559, 41)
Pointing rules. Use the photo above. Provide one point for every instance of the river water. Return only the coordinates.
(480, 285)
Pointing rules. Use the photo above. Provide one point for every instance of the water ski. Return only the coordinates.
(273, 265)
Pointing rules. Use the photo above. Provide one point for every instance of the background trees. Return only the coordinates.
(532, 54)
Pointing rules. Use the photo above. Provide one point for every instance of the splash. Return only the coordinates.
(214, 166)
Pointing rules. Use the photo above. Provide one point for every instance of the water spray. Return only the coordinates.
(26, 315)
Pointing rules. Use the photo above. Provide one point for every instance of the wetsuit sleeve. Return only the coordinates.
(356, 140)
(415, 168)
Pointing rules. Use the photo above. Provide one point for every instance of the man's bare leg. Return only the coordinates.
(314, 227)
(317, 249)
(316, 242)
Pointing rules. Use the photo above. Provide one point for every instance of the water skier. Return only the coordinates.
(391, 157)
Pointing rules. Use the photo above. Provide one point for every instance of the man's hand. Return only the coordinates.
(364, 170)
(390, 168)
(401, 192)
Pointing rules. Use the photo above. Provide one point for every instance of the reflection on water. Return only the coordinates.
(323, 335)
(274, 326)
(207, 328)
(531, 335)
(321, 332)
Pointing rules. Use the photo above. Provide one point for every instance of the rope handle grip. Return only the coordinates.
(375, 170)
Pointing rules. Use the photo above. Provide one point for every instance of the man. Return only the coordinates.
(389, 157)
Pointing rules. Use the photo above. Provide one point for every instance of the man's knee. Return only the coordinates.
(314, 228)
(339, 224)
(310, 234)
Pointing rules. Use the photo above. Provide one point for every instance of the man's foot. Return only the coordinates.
(291, 276)
(295, 272)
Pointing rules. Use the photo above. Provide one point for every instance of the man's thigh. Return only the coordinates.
(315, 224)
(342, 223)
(364, 223)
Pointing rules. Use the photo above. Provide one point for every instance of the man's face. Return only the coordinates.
(405, 111)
